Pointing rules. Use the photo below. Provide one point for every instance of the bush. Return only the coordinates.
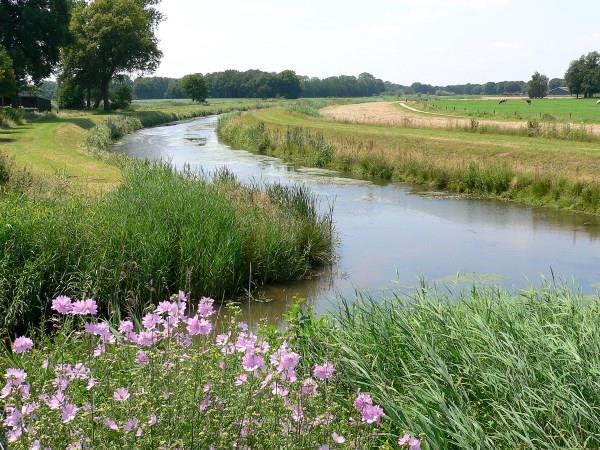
(121, 97)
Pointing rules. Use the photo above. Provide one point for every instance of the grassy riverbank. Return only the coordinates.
(492, 370)
(531, 170)
(157, 230)
(52, 147)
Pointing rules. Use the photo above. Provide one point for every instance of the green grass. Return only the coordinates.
(490, 371)
(156, 231)
(531, 170)
(52, 147)
(568, 109)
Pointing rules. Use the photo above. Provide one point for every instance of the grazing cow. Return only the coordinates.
(598, 102)
(528, 101)
(504, 100)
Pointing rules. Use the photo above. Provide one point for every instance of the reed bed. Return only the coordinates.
(157, 230)
(378, 156)
(491, 370)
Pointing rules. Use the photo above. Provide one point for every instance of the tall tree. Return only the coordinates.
(574, 76)
(32, 31)
(288, 84)
(195, 87)
(8, 84)
(114, 37)
(538, 86)
(591, 74)
(556, 83)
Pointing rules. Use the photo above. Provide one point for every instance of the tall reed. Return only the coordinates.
(157, 230)
(491, 370)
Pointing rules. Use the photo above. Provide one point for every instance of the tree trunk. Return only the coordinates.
(105, 94)
(97, 102)
(88, 99)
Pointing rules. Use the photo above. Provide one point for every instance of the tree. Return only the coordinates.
(538, 86)
(120, 96)
(195, 87)
(288, 84)
(8, 83)
(113, 37)
(32, 32)
(489, 88)
(556, 83)
(574, 76)
(591, 74)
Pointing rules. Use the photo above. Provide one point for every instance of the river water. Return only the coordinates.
(391, 235)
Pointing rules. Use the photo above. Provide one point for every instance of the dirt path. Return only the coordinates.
(401, 114)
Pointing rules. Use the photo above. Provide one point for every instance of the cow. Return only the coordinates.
(528, 101)
(504, 100)
(598, 102)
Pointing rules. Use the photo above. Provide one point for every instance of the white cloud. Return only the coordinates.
(596, 35)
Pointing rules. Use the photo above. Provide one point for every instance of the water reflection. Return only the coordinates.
(392, 234)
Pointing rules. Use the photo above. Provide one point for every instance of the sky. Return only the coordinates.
(438, 42)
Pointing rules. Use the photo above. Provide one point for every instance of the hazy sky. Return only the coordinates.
(433, 41)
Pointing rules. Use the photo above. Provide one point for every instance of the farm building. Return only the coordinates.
(560, 91)
(27, 101)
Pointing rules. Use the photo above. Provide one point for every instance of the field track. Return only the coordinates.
(401, 114)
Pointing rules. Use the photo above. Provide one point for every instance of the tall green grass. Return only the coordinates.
(11, 117)
(491, 371)
(157, 231)
(351, 154)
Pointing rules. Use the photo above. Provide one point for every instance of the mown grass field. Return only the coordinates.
(537, 171)
(568, 109)
(52, 147)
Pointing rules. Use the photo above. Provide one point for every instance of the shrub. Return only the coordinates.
(121, 97)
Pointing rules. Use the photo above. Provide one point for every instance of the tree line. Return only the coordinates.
(93, 52)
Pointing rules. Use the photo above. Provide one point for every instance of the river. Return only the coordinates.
(392, 235)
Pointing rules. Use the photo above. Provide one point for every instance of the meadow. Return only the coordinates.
(530, 169)
(547, 109)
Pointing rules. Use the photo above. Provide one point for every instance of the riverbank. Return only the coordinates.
(531, 170)
(72, 213)
(491, 370)
(53, 146)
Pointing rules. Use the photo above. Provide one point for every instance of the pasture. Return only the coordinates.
(548, 109)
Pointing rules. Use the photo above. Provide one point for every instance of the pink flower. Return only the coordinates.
(252, 362)
(146, 338)
(324, 371)
(362, 401)
(204, 404)
(125, 327)
(152, 420)
(131, 424)
(111, 424)
(142, 358)
(338, 439)
(62, 304)
(309, 387)
(323, 447)
(22, 344)
(241, 379)
(150, 321)
(84, 307)
(205, 307)
(35, 445)
(121, 395)
(196, 326)
(297, 413)
(410, 442)
(372, 414)
(15, 376)
(68, 412)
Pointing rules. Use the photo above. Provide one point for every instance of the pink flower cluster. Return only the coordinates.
(163, 342)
